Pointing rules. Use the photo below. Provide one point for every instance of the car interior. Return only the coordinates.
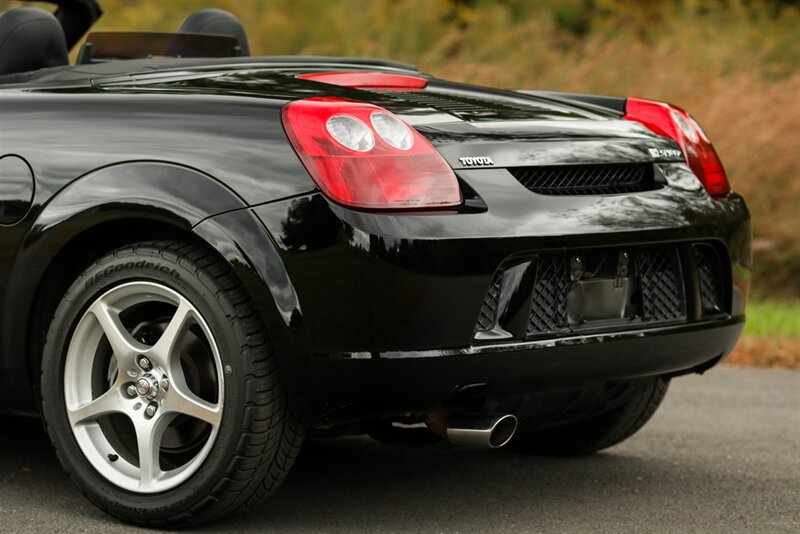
(32, 39)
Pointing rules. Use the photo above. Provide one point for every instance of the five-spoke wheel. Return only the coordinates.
(125, 396)
(160, 390)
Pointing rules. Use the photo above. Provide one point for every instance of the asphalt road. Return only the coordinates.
(721, 455)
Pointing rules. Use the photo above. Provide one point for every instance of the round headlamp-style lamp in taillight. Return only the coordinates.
(363, 156)
(392, 130)
(350, 132)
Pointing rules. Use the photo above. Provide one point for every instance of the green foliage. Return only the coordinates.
(763, 33)
(773, 319)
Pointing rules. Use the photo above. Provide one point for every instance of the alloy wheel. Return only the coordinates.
(144, 387)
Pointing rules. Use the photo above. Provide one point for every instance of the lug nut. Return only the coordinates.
(144, 363)
(150, 411)
(131, 390)
(164, 384)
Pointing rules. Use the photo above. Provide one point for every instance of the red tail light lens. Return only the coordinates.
(368, 80)
(363, 156)
(673, 122)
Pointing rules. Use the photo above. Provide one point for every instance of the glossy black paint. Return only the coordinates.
(16, 193)
(371, 313)
(389, 278)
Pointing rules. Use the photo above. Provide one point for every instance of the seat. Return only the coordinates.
(216, 21)
(30, 39)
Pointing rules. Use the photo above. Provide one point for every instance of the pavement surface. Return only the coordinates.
(721, 455)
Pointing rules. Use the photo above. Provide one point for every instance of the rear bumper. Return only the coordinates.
(386, 304)
(367, 386)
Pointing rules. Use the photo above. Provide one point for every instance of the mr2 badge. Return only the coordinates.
(665, 153)
(476, 161)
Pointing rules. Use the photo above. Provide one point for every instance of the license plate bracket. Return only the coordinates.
(600, 299)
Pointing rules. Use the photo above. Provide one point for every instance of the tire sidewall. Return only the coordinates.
(150, 265)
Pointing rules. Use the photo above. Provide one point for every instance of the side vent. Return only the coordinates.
(709, 273)
(487, 318)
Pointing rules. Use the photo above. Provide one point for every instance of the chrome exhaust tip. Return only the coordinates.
(483, 431)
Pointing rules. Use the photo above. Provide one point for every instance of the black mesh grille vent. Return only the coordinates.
(487, 317)
(655, 278)
(662, 290)
(549, 305)
(708, 271)
(586, 179)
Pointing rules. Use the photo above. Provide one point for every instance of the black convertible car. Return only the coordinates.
(205, 256)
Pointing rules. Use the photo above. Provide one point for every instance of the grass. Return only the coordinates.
(771, 318)
(771, 336)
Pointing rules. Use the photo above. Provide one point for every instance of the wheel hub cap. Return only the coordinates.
(146, 388)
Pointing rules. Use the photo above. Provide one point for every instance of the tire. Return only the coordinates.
(599, 432)
(119, 425)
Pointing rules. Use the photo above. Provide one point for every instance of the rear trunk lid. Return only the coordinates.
(473, 127)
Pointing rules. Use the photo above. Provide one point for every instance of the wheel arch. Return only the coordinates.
(64, 267)
(151, 201)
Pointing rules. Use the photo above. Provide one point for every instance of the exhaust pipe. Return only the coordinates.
(490, 431)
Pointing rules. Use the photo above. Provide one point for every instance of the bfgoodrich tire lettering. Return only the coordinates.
(255, 440)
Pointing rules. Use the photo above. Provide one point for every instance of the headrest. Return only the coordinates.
(30, 39)
(219, 22)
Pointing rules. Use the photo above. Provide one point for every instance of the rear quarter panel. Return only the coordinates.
(98, 156)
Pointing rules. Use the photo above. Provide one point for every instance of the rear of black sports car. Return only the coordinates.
(584, 251)
(205, 256)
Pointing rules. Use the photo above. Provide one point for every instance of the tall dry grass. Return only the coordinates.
(734, 64)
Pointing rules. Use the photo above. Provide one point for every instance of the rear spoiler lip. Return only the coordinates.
(613, 104)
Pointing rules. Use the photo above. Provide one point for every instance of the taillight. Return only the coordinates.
(673, 122)
(368, 80)
(363, 156)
